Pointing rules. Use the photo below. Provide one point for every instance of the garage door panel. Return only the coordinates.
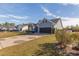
(45, 30)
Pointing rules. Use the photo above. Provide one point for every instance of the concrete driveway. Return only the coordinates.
(10, 41)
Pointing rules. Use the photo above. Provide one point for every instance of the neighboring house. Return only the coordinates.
(49, 26)
(32, 27)
(12, 28)
(19, 27)
(8, 28)
(68, 30)
(24, 27)
(29, 27)
(3, 28)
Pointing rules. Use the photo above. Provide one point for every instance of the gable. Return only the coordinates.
(44, 23)
(58, 24)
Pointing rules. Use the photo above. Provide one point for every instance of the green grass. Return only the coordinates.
(27, 48)
(9, 34)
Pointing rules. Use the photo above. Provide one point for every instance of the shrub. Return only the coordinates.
(63, 37)
(75, 37)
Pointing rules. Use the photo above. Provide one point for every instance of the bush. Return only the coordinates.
(63, 37)
(75, 37)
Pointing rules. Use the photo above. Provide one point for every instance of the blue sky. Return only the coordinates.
(25, 13)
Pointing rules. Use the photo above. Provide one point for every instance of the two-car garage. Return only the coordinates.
(46, 30)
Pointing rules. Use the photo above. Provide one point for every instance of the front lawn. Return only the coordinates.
(9, 34)
(57, 44)
(27, 48)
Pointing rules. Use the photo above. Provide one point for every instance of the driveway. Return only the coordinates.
(10, 41)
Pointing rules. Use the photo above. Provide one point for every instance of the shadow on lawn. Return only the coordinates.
(49, 49)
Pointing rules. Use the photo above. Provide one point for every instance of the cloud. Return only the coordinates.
(13, 16)
(65, 4)
(67, 21)
(18, 17)
(73, 4)
(13, 20)
(48, 13)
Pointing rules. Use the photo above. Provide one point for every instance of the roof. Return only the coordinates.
(55, 20)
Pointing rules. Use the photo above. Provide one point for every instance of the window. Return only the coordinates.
(44, 21)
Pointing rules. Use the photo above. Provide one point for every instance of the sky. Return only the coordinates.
(20, 13)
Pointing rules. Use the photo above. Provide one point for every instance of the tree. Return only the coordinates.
(12, 24)
(8, 24)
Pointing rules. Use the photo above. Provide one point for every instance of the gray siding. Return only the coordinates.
(58, 25)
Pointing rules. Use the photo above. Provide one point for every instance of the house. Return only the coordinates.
(49, 26)
(19, 27)
(32, 27)
(8, 28)
(22, 27)
(12, 28)
(28, 27)
(3, 28)
(43, 26)
(25, 27)
(68, 30)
